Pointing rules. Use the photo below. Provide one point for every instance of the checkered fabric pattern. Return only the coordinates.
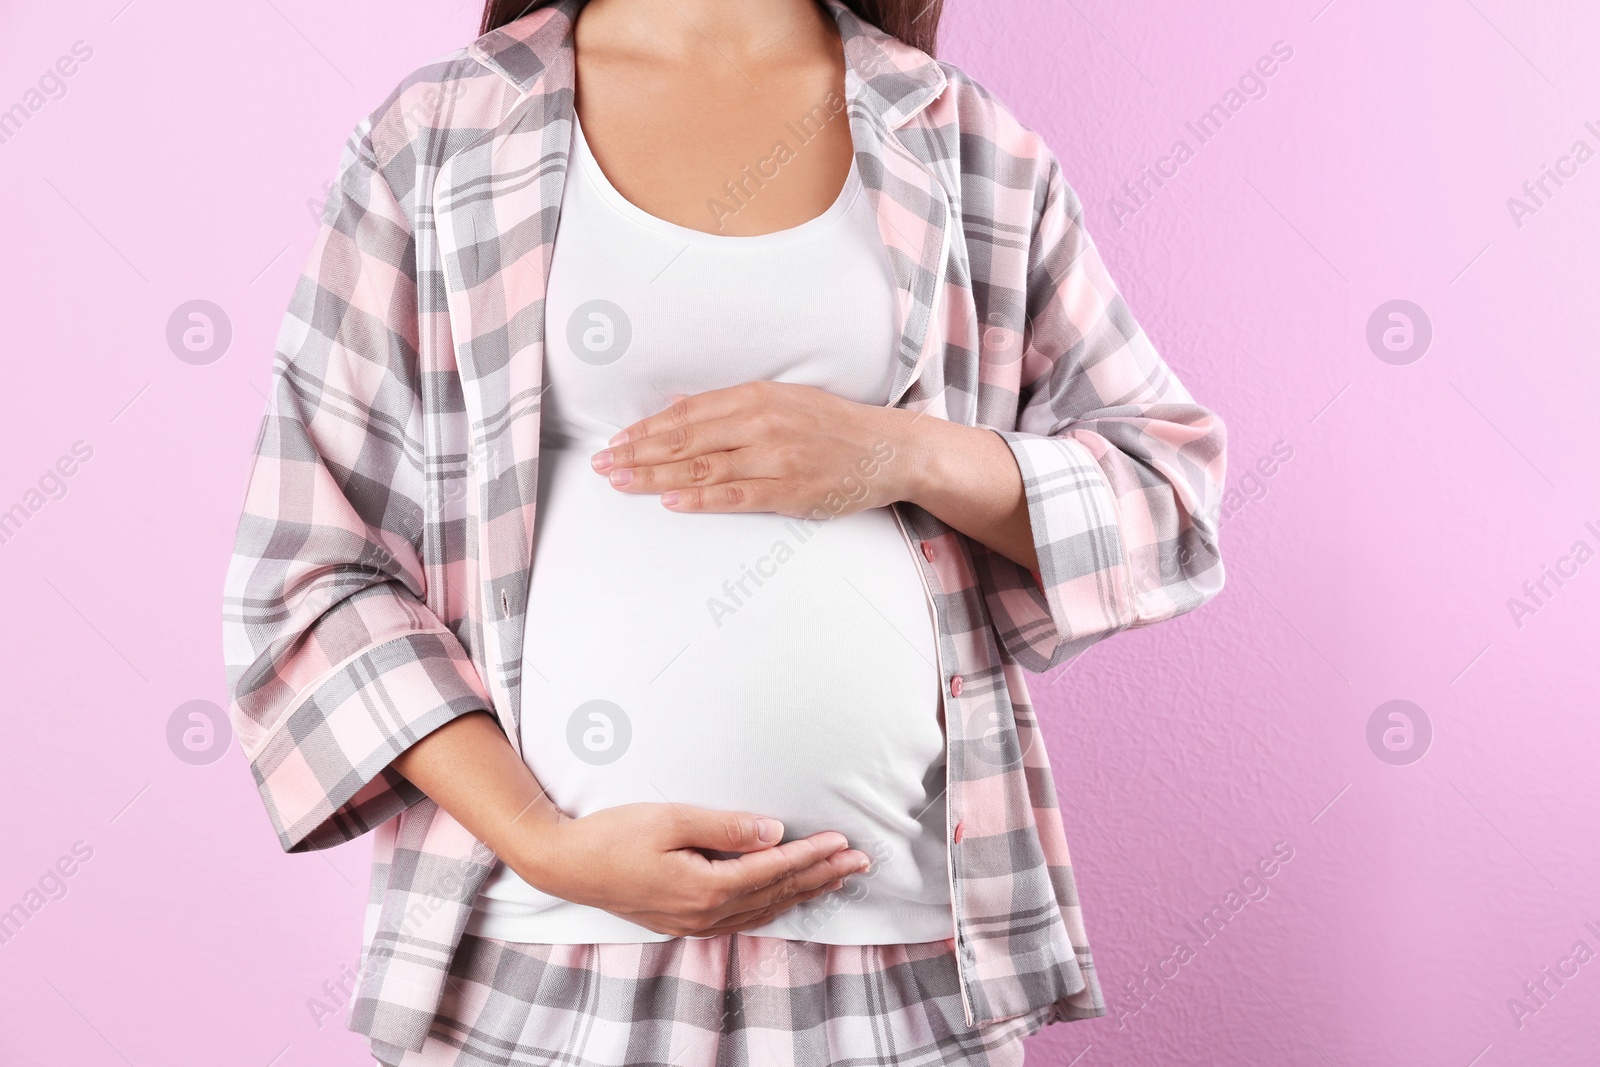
(730, 1001)
(378, 581)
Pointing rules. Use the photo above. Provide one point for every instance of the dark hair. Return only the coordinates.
(916, 22)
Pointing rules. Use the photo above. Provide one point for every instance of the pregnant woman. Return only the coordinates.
(695, 417)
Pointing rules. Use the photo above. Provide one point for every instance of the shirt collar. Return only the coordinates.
(891, 79)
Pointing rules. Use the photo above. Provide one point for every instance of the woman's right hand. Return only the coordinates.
(643, 862)
(639, 861)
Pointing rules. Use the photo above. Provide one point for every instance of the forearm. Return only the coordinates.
(966, 477)
(643, 862)
(471, 771)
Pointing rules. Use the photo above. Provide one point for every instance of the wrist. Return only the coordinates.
(534, 845)
(913, 467)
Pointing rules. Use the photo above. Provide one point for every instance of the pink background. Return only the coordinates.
(1374, 564)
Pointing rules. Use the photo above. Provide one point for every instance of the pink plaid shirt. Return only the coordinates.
(377, 585)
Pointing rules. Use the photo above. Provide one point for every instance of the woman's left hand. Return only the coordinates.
(805, 453)
(766, 446)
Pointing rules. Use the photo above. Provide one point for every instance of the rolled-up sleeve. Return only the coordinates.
(335, 663)
(1123, 471)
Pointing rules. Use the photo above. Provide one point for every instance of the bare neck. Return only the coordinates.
(719, 32)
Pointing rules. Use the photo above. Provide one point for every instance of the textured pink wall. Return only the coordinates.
(1388, 510)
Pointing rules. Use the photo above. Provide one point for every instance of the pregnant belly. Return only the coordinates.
(750, 662)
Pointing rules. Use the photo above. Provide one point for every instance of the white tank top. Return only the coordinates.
(748, 662)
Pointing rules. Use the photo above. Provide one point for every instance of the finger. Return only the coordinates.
(692, 410)
(705, 469)
(757, 888)
(680, 410)
(730, 881)
(751, 919)
(680, 442)
(739, 495)
(799, 884)
(726, 831)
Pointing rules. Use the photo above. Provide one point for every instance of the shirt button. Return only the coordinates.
(927, 550)
(956, 836)
(955, 686)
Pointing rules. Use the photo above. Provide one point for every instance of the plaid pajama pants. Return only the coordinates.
(729, 1001)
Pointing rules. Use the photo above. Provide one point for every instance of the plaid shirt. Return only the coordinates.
(378, 580)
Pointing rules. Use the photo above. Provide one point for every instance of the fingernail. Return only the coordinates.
(835, 885)
(601, 461)
(621, 437)
(669, 498)
(621, 477)
(769, 831)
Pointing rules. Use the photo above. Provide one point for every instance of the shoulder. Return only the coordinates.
(989, 143)
(463, 95)
(437, 108)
